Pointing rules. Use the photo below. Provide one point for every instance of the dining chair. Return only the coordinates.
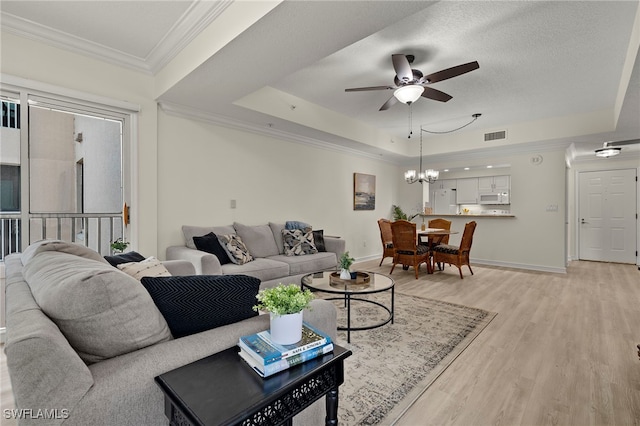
(387, 239)
(407, 251)
(439, 223)
(456, 255)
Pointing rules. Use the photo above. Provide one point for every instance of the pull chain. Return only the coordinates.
(410, 120)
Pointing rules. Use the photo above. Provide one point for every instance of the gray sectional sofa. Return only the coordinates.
(265, 242)
(85, 340)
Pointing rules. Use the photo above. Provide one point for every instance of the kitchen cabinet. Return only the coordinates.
(489, 184)
(467, 191)
(443, 184)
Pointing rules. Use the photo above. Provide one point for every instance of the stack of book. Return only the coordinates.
(267, 358)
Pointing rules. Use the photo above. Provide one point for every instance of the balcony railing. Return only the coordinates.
(94, 230)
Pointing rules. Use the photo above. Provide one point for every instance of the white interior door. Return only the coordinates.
(607, 215)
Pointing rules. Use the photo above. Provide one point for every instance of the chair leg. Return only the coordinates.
(381, 260)
(392, 266)
(416, 268)
(470, 270)
(460, 270)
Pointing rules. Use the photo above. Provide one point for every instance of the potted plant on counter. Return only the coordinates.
(285, 304)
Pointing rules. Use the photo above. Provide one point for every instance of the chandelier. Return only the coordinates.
(429, 175)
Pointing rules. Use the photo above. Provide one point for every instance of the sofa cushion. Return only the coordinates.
(61, 246)
(235, 248)
(191, 304)
(102, 311)
(117, 259)
(318, 240)
(309, 263)
(258, 239)
(195, 231)
(298, 242)
(150, 267)
(276, 230)
(210, 244)
(262, 268)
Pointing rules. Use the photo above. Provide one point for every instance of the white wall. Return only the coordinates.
(204, 166)
(535, 238)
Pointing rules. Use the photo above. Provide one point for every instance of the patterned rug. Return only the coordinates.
(393, 365)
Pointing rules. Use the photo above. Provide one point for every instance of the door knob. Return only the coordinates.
(583, 221)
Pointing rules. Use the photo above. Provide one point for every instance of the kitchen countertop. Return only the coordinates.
(467, 215)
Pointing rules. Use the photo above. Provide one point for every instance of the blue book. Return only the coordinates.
(284, 363)
(265, 351)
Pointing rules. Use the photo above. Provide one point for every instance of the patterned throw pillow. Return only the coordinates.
(235, 248)
(298, 242)
(150, 267)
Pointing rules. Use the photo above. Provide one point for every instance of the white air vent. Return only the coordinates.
(494, 136)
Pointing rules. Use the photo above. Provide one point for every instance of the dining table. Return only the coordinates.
(434, 237)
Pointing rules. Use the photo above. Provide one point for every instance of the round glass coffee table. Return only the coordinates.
(350, 290)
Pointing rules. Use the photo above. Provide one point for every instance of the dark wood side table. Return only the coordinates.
(223, 390)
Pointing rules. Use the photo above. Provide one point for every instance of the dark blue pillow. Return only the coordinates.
(195, 303)
(211, 244)
(128, 257)
(318, 240)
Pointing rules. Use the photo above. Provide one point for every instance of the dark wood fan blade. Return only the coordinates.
(391, 102)
(436, 95)
(451, 72)
(362, 89)
(402, 67)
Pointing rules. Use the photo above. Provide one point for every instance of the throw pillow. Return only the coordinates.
(191, 304)
(150, 267)
(128, 257)
(258, 239)
(298, 242)
(318, 240)
(211, 244)
(235, 248)
(296, 224)
(101, 311)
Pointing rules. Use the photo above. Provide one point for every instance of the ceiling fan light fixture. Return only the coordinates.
(607, 152)
(408, 94)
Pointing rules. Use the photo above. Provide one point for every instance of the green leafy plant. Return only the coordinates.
(398, 213)
(283, 299)
(346, 261)
(119, 245)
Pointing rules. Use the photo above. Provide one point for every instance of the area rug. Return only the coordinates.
(393, 365)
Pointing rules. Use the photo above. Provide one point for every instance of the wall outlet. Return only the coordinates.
(233, 204)
(552, 208)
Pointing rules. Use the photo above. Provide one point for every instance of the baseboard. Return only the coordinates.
(556, 270)
(3, 332)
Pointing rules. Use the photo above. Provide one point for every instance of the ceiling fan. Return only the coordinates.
(410, 84)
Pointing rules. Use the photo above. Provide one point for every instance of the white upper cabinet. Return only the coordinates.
(467, 191)
(494, 184)
(444, 184)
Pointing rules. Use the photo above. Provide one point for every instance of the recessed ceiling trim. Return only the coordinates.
(52, 37)
(218, 120)
(193, 22)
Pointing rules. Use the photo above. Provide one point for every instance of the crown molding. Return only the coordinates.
(196, 19)
(199, 15)
(219, 120)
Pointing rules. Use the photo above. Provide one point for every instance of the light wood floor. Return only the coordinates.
(561, 350)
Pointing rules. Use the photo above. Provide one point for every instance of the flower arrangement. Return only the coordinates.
(346, 261)
(119, 245)
(283, 299)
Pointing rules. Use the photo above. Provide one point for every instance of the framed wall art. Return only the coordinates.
(364, 191)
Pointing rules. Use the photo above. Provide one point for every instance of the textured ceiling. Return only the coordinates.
(542, 64)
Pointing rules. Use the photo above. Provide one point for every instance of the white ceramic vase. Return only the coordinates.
(286, 329)
(345, 274)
